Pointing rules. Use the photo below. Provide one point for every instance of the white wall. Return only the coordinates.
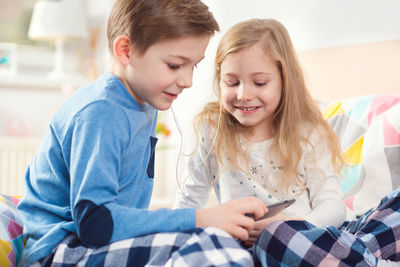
(316, 23)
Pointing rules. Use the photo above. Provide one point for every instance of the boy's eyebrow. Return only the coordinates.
(186, 58)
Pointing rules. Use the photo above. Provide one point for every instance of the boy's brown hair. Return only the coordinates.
(147, 22)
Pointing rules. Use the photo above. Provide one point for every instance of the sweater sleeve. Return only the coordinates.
(323, 184)
(196, 183)
(98, 145)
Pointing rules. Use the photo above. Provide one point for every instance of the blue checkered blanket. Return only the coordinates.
(370, 240)
(198, 247)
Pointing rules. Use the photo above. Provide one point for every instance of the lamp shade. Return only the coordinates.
(58, 19)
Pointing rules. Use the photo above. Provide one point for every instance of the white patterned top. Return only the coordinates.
(321, 203)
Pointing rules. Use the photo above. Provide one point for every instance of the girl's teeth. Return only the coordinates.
(247, 109)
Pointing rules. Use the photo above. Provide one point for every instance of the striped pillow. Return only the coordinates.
(11, 239)
(369, 131)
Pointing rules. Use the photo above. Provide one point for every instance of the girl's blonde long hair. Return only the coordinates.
(295, 110)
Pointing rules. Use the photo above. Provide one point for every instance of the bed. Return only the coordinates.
(368, 127)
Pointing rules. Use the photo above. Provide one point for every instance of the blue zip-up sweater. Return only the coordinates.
(93, 174)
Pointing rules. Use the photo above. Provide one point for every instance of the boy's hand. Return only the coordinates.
(230, 216)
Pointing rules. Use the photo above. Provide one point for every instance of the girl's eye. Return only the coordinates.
(231, 84)
(260, 83)
(173, 66)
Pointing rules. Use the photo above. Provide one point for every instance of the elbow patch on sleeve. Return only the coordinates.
(94, 223)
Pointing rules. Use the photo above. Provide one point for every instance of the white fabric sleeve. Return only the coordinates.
(323, 185)
(387, 263)
(196, 182)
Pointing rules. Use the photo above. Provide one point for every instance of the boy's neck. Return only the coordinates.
(119, 71)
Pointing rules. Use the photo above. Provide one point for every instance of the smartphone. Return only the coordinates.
(276, 208)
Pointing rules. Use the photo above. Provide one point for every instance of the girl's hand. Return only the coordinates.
(230, 216)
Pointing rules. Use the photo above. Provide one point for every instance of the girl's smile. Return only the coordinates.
(247, 110)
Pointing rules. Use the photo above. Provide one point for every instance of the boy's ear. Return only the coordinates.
(122, 47)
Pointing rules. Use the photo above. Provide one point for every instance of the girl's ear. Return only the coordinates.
(122, 47)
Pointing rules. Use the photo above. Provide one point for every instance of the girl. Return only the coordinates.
(271, 140)
(266, 137)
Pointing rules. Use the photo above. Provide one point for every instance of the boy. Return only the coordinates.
(89, 185)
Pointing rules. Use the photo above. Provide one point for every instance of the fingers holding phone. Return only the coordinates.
(230, 216)
(276, 208)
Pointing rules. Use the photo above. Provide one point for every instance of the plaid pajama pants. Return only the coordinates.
(197, 247)
(373, 237)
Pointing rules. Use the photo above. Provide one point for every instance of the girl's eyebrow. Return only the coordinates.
(252, 74)
(228, 75)
(261, 73)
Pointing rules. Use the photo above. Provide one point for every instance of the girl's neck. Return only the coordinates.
(256, 136)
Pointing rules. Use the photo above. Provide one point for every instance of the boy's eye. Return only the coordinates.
(173, 66)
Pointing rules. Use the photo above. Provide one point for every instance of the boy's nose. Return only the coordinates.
(185, 80)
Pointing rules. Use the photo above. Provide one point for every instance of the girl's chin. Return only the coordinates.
(246, 123)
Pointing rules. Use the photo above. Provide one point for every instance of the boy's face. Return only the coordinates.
(160, 74)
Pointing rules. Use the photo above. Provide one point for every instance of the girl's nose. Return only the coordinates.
(243, 93)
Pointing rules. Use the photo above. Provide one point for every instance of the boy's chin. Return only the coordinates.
(163, 109)
(162, 106)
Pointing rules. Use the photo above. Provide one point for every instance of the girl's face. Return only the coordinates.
(251, 89)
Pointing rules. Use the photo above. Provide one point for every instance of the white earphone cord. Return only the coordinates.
(179, 156)
(181, 188)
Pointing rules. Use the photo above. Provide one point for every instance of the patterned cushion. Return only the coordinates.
(11, 239)
(369, 131)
